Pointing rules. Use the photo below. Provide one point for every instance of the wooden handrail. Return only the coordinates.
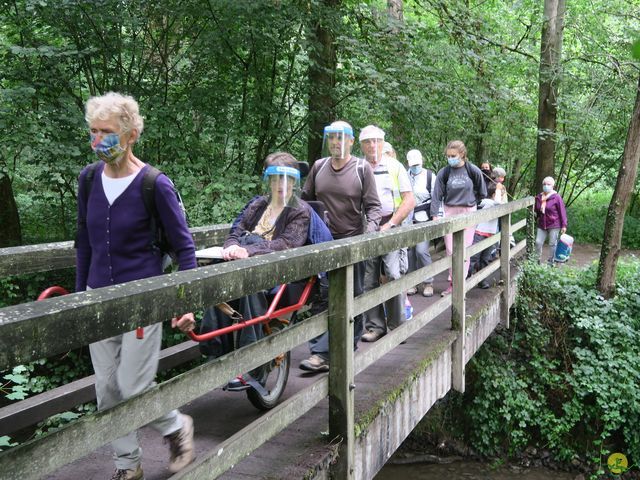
(26, 332)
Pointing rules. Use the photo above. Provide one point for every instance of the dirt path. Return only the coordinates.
(585, 254)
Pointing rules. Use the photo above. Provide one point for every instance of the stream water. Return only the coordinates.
(468, 471)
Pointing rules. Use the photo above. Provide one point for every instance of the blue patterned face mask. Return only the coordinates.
(453, 161)
(547, 188)
(108, 149)
(415, 169)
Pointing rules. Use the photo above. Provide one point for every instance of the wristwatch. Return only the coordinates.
(392, 225)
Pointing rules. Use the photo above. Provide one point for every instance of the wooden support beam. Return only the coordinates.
(531, 233)
(505, 270)
(341, 373)
(458, 312)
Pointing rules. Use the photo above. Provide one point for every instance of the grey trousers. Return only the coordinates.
(541, 236)
(320, 344)
(419, 256)
(376, 320)
(124, 367)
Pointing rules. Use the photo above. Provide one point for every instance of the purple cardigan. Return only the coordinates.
(555, 215)
(114, 244)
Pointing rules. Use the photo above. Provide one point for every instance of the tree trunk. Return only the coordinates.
(549, 79)
(322, 77)
(606, 281)
(10, 233)
(395, 12)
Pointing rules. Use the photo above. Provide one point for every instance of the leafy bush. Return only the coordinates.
(587, 215)
(564, 377)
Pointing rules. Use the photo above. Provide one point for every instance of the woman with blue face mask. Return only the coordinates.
(113, 246)
(552, 217)
(458, 189)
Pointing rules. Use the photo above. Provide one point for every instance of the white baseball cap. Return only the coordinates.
(371, 131)
(414, 157)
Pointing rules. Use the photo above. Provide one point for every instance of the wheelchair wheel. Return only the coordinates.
(273, 377)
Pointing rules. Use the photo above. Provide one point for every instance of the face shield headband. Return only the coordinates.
(334, 141)
(281, 182)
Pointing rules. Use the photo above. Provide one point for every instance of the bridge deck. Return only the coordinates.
(302, 448)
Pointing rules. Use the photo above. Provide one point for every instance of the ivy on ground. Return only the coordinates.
(565, 376)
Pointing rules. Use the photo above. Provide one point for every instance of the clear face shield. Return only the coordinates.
(337, 142)
(372, 149)
(282, 184)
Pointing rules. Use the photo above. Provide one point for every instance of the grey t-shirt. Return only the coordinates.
(459, 191)
(347, 194)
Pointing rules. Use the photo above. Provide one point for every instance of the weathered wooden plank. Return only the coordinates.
(341, 374)
(531, 233)
(518, 225)
(54, 256)
(505, 268)
(39, 457)
(458, 311)
(383, 293)
(393, 338)
(235, 448)
(35, 409)
(40, 329)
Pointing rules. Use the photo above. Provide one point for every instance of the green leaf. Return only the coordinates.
(635, 50)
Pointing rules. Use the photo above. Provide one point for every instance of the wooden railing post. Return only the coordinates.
(341, 373)
(531, 233)
(505, 270)
(458, 311)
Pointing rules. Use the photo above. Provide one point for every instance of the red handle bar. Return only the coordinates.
(51, 291)
(269, 315)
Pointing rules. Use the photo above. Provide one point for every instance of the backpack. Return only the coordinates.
(477, 180)
(426, 207)
(158, 240)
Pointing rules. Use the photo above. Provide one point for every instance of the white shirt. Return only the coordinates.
(113, 187)
(421, 192)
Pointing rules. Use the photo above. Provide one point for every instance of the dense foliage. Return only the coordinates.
(586, 218)
(222, 83)
(564, 377)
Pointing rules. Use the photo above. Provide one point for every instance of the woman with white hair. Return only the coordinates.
(113, 245)
(552, 217)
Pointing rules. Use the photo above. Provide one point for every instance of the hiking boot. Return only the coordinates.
(181, 445)
(372, 336)
(447, 291)
(427, 290)
(128, 474)
(412, 291)
(315, 363)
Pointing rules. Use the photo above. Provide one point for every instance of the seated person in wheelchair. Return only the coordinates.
(276, 221)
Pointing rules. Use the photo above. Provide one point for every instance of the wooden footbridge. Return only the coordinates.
(344, 424)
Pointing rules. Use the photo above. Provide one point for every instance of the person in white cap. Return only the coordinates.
(346, 186)
(396, 198)
(423, 182)
(388, 150)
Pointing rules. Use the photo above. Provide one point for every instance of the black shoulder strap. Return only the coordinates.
(88, 181)
(476, 179)
(149, 200)
(149, 189)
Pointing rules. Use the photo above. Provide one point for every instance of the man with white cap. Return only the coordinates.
(423, 182)
(396, 197)
(346, 186)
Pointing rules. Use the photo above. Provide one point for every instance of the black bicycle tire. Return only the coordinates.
(267, 403)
